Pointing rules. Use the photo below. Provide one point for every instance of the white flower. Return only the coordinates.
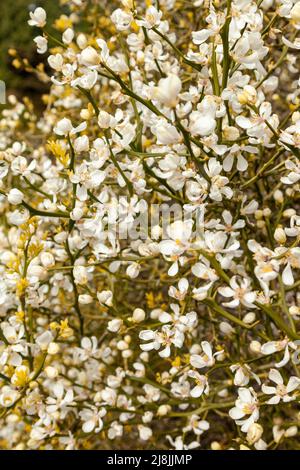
(272, 347)
(198, 426)
(114, 325)
(38, 17)
(240, 291)
(92, 419)
(202, 124)
(42, 44)
(206, 359)
(281, 391)
(121, 19)
(152, 18)
(105, 297)
(166, 133)
(68, 36)
(8, 396)
(218, 187)
(61, 401)
(179, 233)
(201, 384)
(64, 127)
(243, 374)
(245, 406)
(161, 339)
(80, 274)
(167, 90)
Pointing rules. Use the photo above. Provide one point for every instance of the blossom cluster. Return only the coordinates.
(187, 335)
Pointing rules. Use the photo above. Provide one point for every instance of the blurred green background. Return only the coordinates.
(16, 33)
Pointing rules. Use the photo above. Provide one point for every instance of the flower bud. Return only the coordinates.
(81, 41)
(114, 325)
(15, 196)
(89, 56)
(278, 196)
(254, 433)
(255, 347)
(53, 348)
(280, 235)
(249, 318)
(105, 297)
(47, 259)
(163, 410)
(51, 372)
(138, 315)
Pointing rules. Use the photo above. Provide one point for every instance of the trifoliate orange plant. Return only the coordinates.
(150, 230)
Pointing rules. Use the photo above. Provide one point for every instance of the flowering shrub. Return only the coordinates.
(150, 229)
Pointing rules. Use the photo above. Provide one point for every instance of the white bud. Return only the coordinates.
(249, 318)
(122, 345)
(51, 372)
(115, 325)
(105, 297)
(89, 56)
(47, 259)
(138, 315)
(68, 36)
(278, 196)
(163, 410)
(53, 349)
(254, 433)
(133, 270)
(15, 196)
(280, 235)
(85, 299)
(81, 41)
(255, 347)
